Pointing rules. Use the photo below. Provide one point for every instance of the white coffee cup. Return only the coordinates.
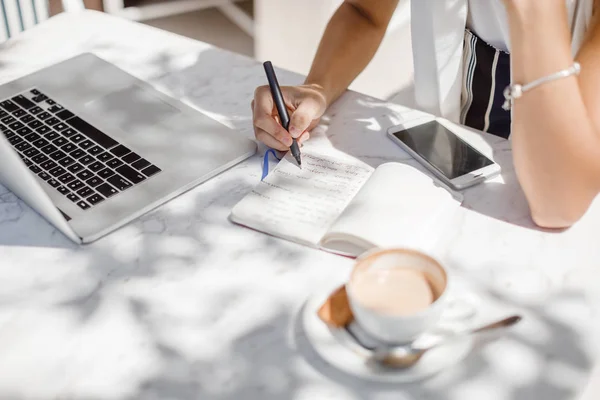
(388, 294)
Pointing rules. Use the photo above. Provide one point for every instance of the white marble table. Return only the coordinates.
(182, 304)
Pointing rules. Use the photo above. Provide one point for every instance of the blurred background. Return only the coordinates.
(286, 32)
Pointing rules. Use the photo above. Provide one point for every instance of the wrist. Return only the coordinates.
(325, 90)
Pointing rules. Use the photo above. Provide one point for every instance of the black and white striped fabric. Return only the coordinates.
(486, 73)
(18, 15)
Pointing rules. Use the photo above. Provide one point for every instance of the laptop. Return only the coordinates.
(90, 147)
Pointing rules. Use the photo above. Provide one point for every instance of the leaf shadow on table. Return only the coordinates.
(144, 274)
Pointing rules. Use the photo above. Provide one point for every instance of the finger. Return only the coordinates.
(302, 117)
(270, 140)
(304, 137)
(263, 102)
(269, 125)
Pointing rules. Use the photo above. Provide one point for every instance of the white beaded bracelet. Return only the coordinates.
(515, 91)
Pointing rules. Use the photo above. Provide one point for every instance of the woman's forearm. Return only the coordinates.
(556, 146)
(350, 40)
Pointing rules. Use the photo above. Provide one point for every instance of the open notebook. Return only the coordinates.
(347, 207)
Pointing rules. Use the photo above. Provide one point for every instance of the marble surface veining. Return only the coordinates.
(182, 304)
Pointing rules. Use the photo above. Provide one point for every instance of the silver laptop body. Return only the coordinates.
(90, 147)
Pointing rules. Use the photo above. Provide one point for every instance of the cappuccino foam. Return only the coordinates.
(395, 291)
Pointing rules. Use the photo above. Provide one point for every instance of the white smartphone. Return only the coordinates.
(446, 155)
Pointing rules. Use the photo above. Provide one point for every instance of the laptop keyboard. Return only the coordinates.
(78, 160)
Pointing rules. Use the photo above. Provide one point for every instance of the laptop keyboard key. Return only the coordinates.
(52, 121)
(51, 135)
(39, 98)
(131, 157)
(73, 197)
(85, 160)
(78, 153)
(26, 161)
(131, 174)
(77, 138)
(95, 199)
(94, 181)
(35, 169)
(26, 119)
(95, 150)
(50, 101)
(35, 110)
(40, 143)
(96, 166)
(44, 176)
(86, 144)
(75, 168)
(119, 182)
(9, 134)
(91, 132)
(49, 149)
(3, 113)
(66, 178)
(85, 174)
(23, 146)
(84, 192)
(69, 132)
(60, 127)
(57, 171)
(65, 114)
(104, 157)
(15, 139)
(60, 141)
(151, 170)
(48, 165)
(32, 152)
(65, 162)
(57, 155)
(53, 182)
(23, 101)
(42, 130)
(75, 185)
(140, 164)
(44, 115)
(69, 147)
(63, 190)
(24, 131)
(33, 123)
(120, 150)
(9, 105)
(40, 158)
(106, 173)
(107, 190)
(18, 113)
(114, 163)
(55, 108)
(32, 137)
(16, 125)
(83, 205)
(8, 120)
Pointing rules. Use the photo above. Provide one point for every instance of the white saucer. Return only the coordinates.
(341, 348)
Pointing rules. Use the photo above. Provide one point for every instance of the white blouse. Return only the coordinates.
(438, 28)
(488, 20)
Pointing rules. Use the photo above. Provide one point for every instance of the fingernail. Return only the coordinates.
(288, 141)
(295, 132)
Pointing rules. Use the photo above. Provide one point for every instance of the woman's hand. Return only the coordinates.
(306, 104)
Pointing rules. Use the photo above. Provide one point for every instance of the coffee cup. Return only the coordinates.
(397, 294)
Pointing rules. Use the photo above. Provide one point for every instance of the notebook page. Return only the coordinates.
(398, 206)
(301, 204)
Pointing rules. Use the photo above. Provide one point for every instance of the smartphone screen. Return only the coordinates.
(443, 149)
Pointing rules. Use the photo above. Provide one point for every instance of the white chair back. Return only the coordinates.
(19, 15)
